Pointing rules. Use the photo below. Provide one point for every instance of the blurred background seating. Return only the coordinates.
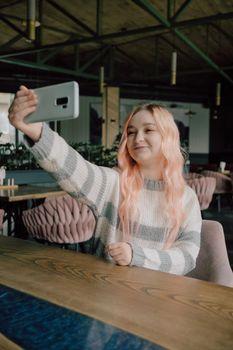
(223, 184)
(203, 186)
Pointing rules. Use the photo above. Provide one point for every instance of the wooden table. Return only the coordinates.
(27, 192)
(14, 201)
(175, 312)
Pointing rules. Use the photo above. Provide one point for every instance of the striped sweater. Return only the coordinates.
(99, 188)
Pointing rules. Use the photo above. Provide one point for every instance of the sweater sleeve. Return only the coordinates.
(71, 171)
(181, 257)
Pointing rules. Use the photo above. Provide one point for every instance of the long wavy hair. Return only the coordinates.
(132, 179)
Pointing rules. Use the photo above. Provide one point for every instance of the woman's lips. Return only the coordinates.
(140, 147)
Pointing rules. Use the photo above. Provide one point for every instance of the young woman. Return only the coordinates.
(146, 215)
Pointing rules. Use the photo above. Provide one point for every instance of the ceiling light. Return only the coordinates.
(218, 94)
(102, 79)
(31, 19)
(173, 68)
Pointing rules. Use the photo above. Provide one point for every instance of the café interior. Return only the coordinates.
(121, 53)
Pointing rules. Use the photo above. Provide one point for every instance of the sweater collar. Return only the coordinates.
(153, 185)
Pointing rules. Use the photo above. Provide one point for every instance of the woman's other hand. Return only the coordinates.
(25, 103)
(121, 253)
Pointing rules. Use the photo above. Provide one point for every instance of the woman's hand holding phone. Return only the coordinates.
(25, 103)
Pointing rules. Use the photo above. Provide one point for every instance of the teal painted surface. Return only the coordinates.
(24, 177)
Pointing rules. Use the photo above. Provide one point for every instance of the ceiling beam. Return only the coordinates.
(10, 42)
(16, 2)
(71, 17)
(152, 10)
(154, 29)
(46, 58)
(180, 10)
(48, 68)
(226, 35)
(13, 26)
(99, 53)
(42, 25)
(176, 47)
(116, 35)
(130, 59)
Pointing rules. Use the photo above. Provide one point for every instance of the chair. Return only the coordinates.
(223, 184)
(212, 262)
(60, 220)
(192, 175)
(203, 186)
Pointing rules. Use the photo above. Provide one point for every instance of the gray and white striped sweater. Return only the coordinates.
(99, 187)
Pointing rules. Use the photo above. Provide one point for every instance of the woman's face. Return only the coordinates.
(144, 139)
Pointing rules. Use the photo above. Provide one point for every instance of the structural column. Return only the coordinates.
(111, 112)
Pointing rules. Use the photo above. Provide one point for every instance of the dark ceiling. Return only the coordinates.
(132, 39)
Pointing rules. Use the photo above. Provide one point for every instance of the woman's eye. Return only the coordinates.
(150, 130)
(130, 133)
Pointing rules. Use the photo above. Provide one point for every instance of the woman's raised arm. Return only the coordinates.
(24, 103)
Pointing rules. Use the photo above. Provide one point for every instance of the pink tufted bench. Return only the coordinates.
(60, 220)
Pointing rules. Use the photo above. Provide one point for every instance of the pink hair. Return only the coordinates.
(132, 179)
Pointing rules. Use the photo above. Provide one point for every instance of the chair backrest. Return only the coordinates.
(223, 182)
(212, 262)
(60, 220)
(191, 175)
(203, 186)
(1, 218)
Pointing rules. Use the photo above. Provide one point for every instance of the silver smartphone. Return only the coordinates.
(56, 102)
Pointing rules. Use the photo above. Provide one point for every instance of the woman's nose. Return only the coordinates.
(139, 136)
